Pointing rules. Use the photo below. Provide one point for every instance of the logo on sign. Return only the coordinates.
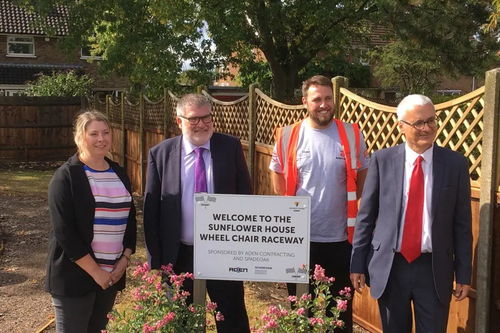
(238, 269)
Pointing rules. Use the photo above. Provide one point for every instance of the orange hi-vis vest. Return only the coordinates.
(287, 139)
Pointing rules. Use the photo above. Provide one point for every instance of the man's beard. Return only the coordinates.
(320, 119)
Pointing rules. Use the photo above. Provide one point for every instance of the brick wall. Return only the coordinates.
(47, 52)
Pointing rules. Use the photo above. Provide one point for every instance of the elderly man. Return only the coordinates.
(413, 230)
(197, 161)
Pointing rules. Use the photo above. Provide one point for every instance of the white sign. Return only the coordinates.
(251, 238)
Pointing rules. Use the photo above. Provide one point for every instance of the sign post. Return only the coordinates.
(250, 238)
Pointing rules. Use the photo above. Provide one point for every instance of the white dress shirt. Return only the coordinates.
(410, 160)
(188, 162)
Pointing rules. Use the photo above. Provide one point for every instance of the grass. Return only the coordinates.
(25, 182)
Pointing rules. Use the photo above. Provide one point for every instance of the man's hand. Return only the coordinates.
(358, 282)
(461, 291)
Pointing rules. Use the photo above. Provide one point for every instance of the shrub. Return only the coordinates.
(160, 308)
(279, 319)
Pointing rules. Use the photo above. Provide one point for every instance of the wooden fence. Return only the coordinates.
(37, 128)
(253, 118)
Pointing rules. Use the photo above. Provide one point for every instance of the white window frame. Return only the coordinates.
(21, 55)
(82, 56)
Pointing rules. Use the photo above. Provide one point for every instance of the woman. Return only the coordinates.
(93, 230)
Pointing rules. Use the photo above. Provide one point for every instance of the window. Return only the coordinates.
(85, 54)
(20, 46)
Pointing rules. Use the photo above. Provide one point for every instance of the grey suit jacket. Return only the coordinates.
(163, 195)
(379, 216)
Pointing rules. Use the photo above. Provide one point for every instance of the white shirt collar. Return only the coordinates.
(411, 155)
(189, 147)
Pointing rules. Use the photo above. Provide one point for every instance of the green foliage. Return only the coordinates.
(255, 72)
(414, 70)
(450, 30)
(148, 40)
(492, 24)
(60, 84)
(359, 75)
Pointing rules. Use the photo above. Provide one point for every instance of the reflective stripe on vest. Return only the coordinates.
(287, 139)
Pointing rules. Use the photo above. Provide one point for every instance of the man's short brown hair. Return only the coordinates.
(316, 80)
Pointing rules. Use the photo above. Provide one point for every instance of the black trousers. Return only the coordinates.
(229, 295)
(412, 282)
(335, 258)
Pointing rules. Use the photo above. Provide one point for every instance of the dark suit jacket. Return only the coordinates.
(162, 199)
(378, 221)
(72, 209)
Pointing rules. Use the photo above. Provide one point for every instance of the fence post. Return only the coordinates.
(95, 101)
(252, 130)
(141, 144)
(108, 98)
(338, 81)
(165, 113)
(487, 202)
(124, 134)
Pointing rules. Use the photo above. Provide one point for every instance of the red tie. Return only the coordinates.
(412, 233)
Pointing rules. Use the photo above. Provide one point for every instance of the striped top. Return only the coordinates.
(113, 203)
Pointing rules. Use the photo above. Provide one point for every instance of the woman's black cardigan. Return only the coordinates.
(72, 209)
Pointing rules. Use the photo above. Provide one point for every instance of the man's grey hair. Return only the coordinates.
(409, 102)
(191, 101)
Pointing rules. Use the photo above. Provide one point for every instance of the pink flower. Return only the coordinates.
(219, 316)
(316, 321)
(292, 298)
(211, 306)
(319, 274)
(342, 304)
(301, 311)
(271, 324)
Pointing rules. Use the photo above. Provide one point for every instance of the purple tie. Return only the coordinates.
(200, 176)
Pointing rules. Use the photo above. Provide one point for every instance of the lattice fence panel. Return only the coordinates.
(271, 114)
(115, 111)
(461, 129)
(154, 114)
(132, 114)
(100, 104)
(460, 125)
(379, 124)
(171, 111)
(230, 117)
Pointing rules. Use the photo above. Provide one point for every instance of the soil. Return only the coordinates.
(24, 229)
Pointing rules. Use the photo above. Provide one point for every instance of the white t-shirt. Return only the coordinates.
(322, 176)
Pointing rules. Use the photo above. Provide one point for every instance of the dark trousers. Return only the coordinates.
(85, 314)
(229, 295)
(412, 282)
(335, 258)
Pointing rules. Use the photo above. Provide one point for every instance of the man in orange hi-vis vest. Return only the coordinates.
(325, 159)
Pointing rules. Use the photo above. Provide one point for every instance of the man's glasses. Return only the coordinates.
(195, 120)
(420, 124)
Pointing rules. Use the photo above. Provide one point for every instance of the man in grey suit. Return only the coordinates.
(413, 230)
(175, 169)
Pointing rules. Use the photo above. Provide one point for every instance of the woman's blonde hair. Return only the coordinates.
(81, 122)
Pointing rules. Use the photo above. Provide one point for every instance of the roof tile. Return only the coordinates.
(16, 20)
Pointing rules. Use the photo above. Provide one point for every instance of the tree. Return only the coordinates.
(147, 40)
(400, 65)
(62, 84)
(450, 31)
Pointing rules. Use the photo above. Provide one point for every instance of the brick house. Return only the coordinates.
(26, 50)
